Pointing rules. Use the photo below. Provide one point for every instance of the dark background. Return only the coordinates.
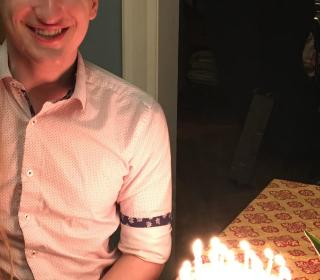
(254, 45)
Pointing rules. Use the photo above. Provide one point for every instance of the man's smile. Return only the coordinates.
(49, 33)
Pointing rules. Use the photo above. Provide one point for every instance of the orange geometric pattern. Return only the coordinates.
(277, 219)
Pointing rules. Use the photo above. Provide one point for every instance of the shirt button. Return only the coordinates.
(13, 84)
(24, 219)
(30, 173)
(33, 253)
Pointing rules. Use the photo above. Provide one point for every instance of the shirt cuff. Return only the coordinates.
(152, 244)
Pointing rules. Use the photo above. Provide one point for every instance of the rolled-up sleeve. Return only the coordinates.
(145, 198)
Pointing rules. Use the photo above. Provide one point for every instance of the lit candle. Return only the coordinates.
(256, 270)
(214, 250)
(223, 254)
(269, 255)
(197, 249)
(223, 264)
(230, 257)
(185, 272)
(244, 245)
(279, 260)
(284, 272)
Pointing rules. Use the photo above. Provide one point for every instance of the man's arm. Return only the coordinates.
(145, 202)
(133, 268)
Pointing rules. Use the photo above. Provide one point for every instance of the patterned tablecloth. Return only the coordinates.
(277, 219)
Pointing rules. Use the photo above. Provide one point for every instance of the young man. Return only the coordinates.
(81, 152)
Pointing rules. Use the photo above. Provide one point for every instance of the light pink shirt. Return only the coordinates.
(72, 172)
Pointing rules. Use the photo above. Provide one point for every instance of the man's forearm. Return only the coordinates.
(133, 268)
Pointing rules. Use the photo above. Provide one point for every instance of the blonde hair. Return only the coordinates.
(4, 238)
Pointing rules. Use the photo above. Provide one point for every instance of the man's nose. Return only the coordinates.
(49, 11)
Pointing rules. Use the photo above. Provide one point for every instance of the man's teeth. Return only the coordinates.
(48, 33)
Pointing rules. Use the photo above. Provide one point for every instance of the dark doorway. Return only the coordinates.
(234, 57)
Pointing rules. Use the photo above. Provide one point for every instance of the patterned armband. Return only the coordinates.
(146, 222)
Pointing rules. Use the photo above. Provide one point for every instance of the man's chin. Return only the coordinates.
(48, 56)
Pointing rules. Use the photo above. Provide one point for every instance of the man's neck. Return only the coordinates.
(51, 74)
(44, 81)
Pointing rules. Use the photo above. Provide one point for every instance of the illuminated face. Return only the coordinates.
(45, 30)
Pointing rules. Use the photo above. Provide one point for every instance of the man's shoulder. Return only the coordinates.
(115, 85)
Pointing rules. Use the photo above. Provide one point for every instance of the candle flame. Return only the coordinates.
(270, 256)
(197, 248)
(269, 253)
(279, 260)
(224, 265)
(185, 270)
(214, 241)
(244, 245)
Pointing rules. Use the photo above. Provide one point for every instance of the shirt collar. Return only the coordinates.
(80, 88)
(4, 65)
(79, 92)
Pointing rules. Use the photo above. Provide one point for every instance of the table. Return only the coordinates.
(277, 218)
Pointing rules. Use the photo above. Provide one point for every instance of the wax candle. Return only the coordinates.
(223, 264)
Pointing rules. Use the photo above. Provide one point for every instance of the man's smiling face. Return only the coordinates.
(46, 30)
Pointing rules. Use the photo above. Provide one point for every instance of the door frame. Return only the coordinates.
(150, 39)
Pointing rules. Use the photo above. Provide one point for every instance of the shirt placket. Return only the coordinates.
(30, 201)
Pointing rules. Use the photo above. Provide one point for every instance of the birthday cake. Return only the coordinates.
(222, 264)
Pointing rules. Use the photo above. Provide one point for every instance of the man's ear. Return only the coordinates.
(93, 8)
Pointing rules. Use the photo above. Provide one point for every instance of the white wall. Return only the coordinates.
(103, 43)
(150, 53)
